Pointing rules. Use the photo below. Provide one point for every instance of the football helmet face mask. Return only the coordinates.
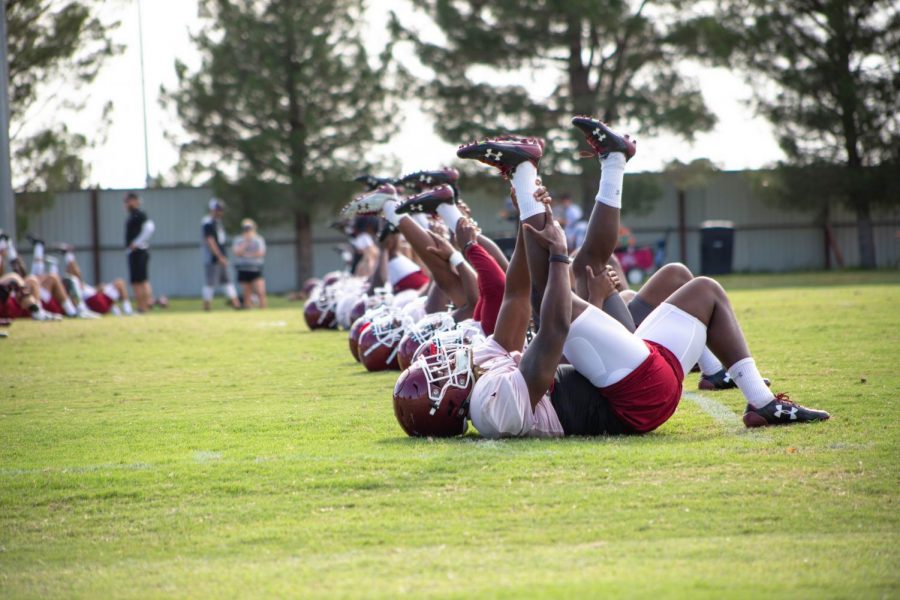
(420, 332)
(431, 398)
(379, 343)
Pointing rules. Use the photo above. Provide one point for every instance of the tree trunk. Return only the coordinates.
(865, 235)
(303, 248)
(582, 104)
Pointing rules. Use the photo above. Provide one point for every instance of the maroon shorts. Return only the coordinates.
(99, 303)
(649, 395)
(11, 310)
(53, 306)
(413, 281)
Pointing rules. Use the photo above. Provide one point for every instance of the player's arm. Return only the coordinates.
(538, 365)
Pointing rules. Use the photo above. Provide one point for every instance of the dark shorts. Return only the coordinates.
(248, 276)
(581, 407)
(138, 260)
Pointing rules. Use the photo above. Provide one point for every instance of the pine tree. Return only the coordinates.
(605, 58)
(283, 107)
(835, 102)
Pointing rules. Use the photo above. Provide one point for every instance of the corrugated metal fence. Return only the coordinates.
(767, 238)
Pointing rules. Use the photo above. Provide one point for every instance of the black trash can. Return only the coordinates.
(716, 247)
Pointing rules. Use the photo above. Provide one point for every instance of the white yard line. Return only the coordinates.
(720, 413)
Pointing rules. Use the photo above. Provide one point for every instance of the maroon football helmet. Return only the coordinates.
(421, 332)
(318, 316)
(431, 398)
(378, 344)
(359, 325)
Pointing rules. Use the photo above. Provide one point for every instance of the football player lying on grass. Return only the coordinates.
(619, 381)
(18, 299)
(638, 374)
(104, 298)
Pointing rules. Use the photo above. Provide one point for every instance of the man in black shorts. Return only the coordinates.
(215, 257)
(138, 229)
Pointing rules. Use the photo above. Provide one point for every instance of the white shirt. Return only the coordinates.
(500, 405)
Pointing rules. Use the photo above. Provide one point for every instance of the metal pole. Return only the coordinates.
(7, 199)
(147, 180)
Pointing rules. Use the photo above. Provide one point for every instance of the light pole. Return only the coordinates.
(7, 199)
(147, 180)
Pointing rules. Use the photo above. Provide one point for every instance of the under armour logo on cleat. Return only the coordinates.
(425, 179)
(779, 410)
(496, 155)
(417, 207)
(597, 134)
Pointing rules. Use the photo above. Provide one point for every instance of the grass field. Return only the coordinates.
(237, 454)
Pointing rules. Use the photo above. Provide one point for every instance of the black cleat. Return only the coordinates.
(34, 239)
(371, 182)
(720, 381)
(604, 140)
(505, 153)
(781, 411)
(428, 201)
(423, 180)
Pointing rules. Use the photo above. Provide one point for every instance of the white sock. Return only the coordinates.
(450, 214)
(523, 181)
(422, 220)
(115, 311)
(11, 253)
(37, 260)
(126, 307)
(207, 293)
(69, 308)
(751, 383)
(230, 291)
(611, 176)
(70, 258)
(53, 267)
(709, 364)
(390, 212)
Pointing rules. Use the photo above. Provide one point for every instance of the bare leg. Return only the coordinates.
(247, 291)
(705, 299)
(259, 286)
(599, 243)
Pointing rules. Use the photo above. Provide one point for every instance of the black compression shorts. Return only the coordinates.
(581, 408)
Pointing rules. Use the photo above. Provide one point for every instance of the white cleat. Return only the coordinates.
(371, 203)
(87, 313)
(43, 315)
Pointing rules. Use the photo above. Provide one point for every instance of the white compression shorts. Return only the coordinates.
(601, 349)
(680, 333)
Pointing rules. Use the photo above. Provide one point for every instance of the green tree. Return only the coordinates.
(605, 58)
(283, 107)
(835, 102)
(56, 48)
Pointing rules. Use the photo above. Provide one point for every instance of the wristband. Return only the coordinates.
(469, 244)
(560, 258)
(456, 258)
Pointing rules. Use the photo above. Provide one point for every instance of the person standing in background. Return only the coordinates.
(138, 229)
(571, 219)
(215, 260)
(249, 256)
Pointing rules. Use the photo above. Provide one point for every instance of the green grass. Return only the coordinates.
(236, 454)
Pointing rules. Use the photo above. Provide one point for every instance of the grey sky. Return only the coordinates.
(739, 141)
